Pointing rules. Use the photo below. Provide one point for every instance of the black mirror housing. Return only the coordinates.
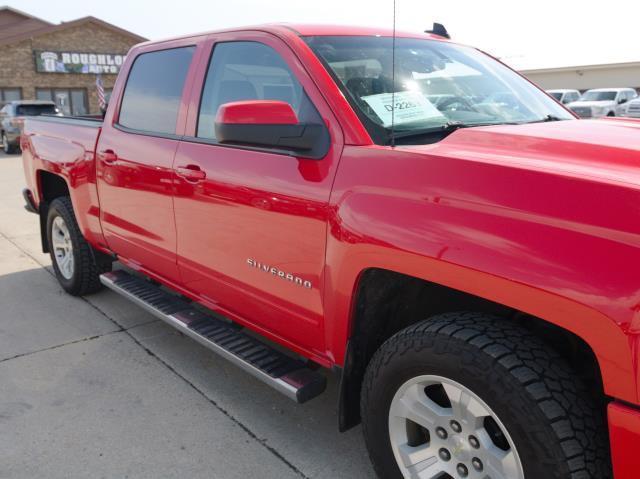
(307, 140)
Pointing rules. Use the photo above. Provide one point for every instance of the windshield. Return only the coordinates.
(599, 96)
(436, 83)
(556, 94)
(36, 110)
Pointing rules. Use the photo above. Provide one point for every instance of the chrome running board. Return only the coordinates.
(290, 376)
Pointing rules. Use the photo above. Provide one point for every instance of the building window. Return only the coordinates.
(10, 94)
(70, 101)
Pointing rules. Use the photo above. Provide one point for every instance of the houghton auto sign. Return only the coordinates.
(75, 62)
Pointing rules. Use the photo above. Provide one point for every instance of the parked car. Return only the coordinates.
(601, 102)
(12, 117)
(467, 268)
(633, 108)
(565, 96)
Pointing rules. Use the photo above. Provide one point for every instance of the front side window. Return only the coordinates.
(249, 71)
(435, 84)
(556, 94)
(153, 93)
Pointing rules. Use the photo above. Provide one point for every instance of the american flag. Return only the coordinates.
(100, 87)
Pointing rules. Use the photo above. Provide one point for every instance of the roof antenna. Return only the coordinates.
(440, 30)
(393, 78)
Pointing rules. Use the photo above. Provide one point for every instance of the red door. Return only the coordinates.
(135, 156)
(252, 229)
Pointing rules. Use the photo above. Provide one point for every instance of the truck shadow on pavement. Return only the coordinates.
(100, 375)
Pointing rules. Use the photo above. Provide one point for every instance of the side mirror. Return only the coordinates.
(270, 124)
(621, 101)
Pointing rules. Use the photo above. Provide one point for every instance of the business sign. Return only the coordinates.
(75, 62)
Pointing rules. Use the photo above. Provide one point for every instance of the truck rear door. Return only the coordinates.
(135, 155)
(252, 221)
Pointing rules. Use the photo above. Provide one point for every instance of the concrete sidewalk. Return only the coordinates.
(96, 387)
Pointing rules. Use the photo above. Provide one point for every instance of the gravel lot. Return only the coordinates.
(96, 387)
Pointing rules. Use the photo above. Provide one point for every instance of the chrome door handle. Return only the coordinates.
(191, 173)
(108, 156)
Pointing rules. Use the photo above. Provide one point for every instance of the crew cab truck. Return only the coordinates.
(467, 266)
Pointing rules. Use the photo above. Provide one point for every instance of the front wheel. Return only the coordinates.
(467, 395)
(76, 264)
(6, 146)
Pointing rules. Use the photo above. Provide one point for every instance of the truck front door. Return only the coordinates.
(252, 229)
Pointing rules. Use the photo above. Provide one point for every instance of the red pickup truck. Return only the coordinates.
(419, 220)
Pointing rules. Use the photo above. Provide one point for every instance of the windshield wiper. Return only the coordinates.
(544, 119)
(446, 128)
(550, 117)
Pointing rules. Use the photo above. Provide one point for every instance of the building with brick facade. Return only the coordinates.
(59, 62)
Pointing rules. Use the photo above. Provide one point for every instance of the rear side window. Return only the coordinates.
(35, 110)
(153, 92)
(249, 71)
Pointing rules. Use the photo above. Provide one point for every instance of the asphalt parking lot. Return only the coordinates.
(97, 387)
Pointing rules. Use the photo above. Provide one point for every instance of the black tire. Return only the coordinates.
(88, 263)
(6, 146)
(611, 114)
(557, 427)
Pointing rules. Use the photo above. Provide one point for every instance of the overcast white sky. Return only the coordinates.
(525, 34)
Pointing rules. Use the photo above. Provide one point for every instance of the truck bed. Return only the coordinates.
(56, 137)
(65, 146)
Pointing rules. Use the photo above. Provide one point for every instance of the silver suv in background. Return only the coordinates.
(564, 96)
(601, 102)
(12, 117)
(633, 108)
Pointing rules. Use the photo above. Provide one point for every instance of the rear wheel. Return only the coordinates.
(467, 395)
(76, 264)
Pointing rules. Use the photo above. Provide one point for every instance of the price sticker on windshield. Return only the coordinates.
(404, 106)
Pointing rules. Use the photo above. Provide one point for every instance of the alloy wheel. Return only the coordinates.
(440, 429)
(63, 247)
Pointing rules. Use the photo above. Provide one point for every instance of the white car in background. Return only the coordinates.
(601, 102)
(564, 96)
(633, 108)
